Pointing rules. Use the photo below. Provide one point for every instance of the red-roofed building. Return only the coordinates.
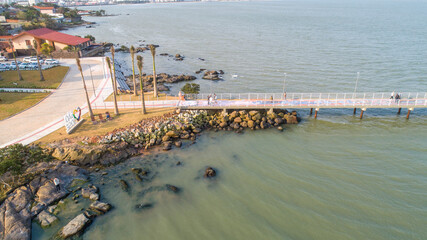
(45, 10)
(24, 40)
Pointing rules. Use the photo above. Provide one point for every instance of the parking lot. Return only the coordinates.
(26, 63)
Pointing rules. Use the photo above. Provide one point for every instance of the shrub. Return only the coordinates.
(189, 88)
(16, 158)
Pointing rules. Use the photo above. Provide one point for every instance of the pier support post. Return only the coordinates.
(311, 111)
(315, 113)
(361, 112)
(354, 111)
(409, 112)
(398, 111)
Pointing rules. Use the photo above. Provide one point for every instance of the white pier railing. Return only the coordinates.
(305, 100)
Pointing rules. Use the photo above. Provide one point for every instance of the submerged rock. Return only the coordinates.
(172, 188)
(124, 185)
(143, 206)
(209, 173)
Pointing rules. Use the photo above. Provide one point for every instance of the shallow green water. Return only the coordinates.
(317, 180)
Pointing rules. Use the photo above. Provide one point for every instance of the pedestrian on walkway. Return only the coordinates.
(56, 182)
(397, 97)
(392, 95)
(284, 95)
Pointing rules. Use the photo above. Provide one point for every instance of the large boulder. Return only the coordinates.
(209, 172)
(253, 113)
(251, 124)
(13, 224)
(46, 219)
(238, 120)
(100, 207)
(89, 191)
(75, 226)
(167, 146)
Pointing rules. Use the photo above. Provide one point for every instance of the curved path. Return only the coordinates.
(47, 116)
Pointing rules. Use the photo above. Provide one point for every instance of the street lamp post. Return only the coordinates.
(93, 86)
(355, 87)
(284, 84)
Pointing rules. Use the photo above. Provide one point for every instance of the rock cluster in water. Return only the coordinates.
(212, 75)
(186, 125)
(161, 79)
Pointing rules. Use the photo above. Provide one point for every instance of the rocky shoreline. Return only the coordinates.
(38, 198)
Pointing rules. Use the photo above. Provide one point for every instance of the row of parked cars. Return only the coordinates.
(29, 63)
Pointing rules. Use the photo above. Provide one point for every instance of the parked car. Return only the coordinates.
(4, 66)
(13, 62)
(3, 58)
(33, 65)
(24, 65)
(51, 62)
(11, 66)
(27, 59)
(34, 60)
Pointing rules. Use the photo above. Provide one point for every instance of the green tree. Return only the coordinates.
(92, 38)
(141, 83)
(46, 49)
(116, 109)
(84, 86)
(191, 88)
(153, 54)
(16, 63)
(132, 54)
(35, 46)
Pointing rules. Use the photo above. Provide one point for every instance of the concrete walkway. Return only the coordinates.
(47, 116)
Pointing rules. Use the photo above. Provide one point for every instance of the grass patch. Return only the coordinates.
(147, 96)
(13, 103)
(53, 77)
(87, 129)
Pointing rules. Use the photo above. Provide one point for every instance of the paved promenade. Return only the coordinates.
(47, 116)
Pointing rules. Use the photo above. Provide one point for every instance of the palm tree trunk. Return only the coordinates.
(154, 78)
(16, 63)
(142, 92)
(114, 72)
(116, 109)
(17, 68)
(87, 96)
(40, 69)
(134, 80)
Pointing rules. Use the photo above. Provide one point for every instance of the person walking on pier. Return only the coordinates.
(397, 97)
(392, 95)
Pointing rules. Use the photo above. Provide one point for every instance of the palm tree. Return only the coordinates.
(38, 61)
(132, 54)
(153, 54)
(139, 64)
(16, 63)
(116, 109)
(114, 70)
(84, 85)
